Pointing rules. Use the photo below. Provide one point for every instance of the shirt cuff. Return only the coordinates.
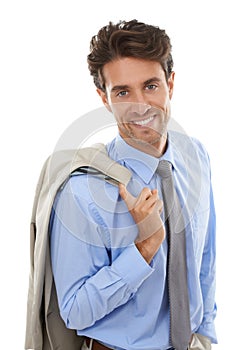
(132, 267)
(208, 330)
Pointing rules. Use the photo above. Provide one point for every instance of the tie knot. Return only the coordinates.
(164, 169)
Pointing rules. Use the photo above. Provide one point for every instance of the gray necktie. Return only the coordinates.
(180, 329)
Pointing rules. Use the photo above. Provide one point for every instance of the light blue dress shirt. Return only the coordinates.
(105, 288)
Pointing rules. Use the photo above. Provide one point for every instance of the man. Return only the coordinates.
(110, 246)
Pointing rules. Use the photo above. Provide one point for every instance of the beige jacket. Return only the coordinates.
(45, 329)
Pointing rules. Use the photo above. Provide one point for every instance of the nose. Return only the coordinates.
(138, 103)
(139, 108)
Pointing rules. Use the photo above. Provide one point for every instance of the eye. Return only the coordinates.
(151, 87)
(122, 93)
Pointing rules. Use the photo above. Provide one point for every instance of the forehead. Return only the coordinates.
(131, 71)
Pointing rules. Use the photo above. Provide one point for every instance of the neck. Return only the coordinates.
(156, 150)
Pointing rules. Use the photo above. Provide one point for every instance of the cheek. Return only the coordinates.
(162, 103)
(166, 101)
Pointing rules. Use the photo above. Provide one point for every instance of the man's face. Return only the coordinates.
(139, 96)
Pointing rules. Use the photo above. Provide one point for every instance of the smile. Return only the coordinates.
(143, 122)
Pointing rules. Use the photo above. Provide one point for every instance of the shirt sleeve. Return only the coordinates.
(208, 277)
(89, 284)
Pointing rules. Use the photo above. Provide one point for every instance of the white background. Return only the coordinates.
(45, 86)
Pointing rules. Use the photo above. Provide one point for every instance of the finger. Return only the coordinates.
(150, 196)
(146, 193)
(122, 191)
(151, 200)
(126, 196)
(159, 205)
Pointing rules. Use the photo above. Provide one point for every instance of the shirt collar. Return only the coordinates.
(142, 163)
(171, 154)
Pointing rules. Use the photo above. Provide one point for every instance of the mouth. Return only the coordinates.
(143, 122)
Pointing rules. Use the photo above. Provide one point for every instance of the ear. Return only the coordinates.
(171, 84)
(104, 99)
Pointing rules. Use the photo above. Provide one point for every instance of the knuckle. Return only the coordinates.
(146, 190)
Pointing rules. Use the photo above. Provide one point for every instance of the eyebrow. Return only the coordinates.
(119, 87)
(152, 80)
(125, 87)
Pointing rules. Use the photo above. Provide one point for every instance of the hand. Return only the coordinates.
(145, 210)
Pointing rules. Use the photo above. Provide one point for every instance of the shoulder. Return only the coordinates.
(92, 195)
(189, 147)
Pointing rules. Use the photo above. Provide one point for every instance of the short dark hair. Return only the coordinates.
(128, 39)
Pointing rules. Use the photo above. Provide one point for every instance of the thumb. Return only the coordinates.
(126, 196)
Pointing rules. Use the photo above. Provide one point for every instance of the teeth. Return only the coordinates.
(143, 122)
